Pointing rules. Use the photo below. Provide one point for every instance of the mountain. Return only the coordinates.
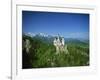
(49, 39)
(29, 34)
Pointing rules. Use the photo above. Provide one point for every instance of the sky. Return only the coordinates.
(69, 25)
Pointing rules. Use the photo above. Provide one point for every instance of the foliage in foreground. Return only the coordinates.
(43, 55)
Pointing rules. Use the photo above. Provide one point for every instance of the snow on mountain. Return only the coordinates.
(36, 34)
(43, 34)
(30, 34)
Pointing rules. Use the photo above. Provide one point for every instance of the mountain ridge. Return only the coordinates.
(49, 38)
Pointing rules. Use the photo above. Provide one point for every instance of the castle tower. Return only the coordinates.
(63, 41)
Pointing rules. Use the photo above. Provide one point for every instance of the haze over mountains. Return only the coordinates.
(49, 38)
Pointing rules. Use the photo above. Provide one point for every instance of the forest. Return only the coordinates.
(42, 53)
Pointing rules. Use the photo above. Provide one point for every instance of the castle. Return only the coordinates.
(59, 44)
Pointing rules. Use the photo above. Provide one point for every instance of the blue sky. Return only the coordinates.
(69, 25)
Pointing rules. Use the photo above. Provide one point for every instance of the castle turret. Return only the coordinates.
(63, 41)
